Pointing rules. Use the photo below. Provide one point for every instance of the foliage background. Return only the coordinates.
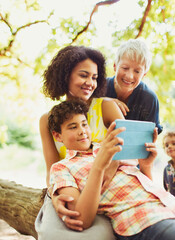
(32, 31)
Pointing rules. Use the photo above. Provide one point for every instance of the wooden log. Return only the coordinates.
(20, 205)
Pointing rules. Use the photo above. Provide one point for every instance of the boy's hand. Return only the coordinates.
(146, 164)
(150, 147)
(110, 145)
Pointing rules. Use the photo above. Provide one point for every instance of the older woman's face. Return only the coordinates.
(83, 80)
(129, 73)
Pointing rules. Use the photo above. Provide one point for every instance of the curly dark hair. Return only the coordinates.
(56, 76)
(64, 111)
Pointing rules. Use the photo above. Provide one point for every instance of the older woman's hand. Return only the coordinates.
(123, 107)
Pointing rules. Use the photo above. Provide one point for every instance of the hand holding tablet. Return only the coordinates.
(136, 135)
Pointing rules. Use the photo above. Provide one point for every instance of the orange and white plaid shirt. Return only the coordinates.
(131, 201)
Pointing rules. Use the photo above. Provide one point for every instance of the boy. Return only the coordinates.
(135, 206)
(169, 171)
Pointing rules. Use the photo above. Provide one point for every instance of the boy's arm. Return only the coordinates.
(110, 112)
(87, 202)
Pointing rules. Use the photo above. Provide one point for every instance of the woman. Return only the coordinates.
(135, 99)
(77, 72)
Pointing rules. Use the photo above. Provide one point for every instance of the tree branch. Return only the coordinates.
(14, 33)
(5, 21)
(95, 9)
(144, 18)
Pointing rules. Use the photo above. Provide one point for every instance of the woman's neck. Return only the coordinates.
(122, 95)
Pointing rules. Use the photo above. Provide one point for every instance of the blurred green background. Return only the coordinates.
(32, 32)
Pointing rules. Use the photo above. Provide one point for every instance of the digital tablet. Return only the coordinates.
(135, 136)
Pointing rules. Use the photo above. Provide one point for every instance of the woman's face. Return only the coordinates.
(83, 80)
(129, 73)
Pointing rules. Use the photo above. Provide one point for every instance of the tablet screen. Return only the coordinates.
(135, 136)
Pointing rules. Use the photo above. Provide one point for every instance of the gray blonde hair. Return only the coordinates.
(135, 49)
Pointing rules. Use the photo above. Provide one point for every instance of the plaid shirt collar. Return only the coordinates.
(72, 153)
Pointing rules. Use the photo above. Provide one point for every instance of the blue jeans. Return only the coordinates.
(163, 230)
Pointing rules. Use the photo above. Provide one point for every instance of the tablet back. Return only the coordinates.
(135, 136)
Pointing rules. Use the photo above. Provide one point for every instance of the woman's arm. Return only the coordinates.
(123, 107)
(110, 112)
(50, 152)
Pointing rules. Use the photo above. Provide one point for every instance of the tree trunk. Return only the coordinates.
(20, 205)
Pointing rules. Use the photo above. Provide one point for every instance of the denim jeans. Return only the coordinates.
(163, 230)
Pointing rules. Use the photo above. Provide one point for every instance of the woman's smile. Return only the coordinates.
(83, 79)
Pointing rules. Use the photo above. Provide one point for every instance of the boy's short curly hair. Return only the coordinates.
(57, 75)
(64, 111)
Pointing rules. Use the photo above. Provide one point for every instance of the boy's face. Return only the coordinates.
(75, 133)
(169, 146)
(129, 73)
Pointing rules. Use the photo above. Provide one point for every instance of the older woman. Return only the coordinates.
(136, 100)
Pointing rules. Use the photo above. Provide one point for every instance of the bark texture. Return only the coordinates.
(20, 205)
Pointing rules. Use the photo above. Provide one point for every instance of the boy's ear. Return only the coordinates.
(57, 136)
